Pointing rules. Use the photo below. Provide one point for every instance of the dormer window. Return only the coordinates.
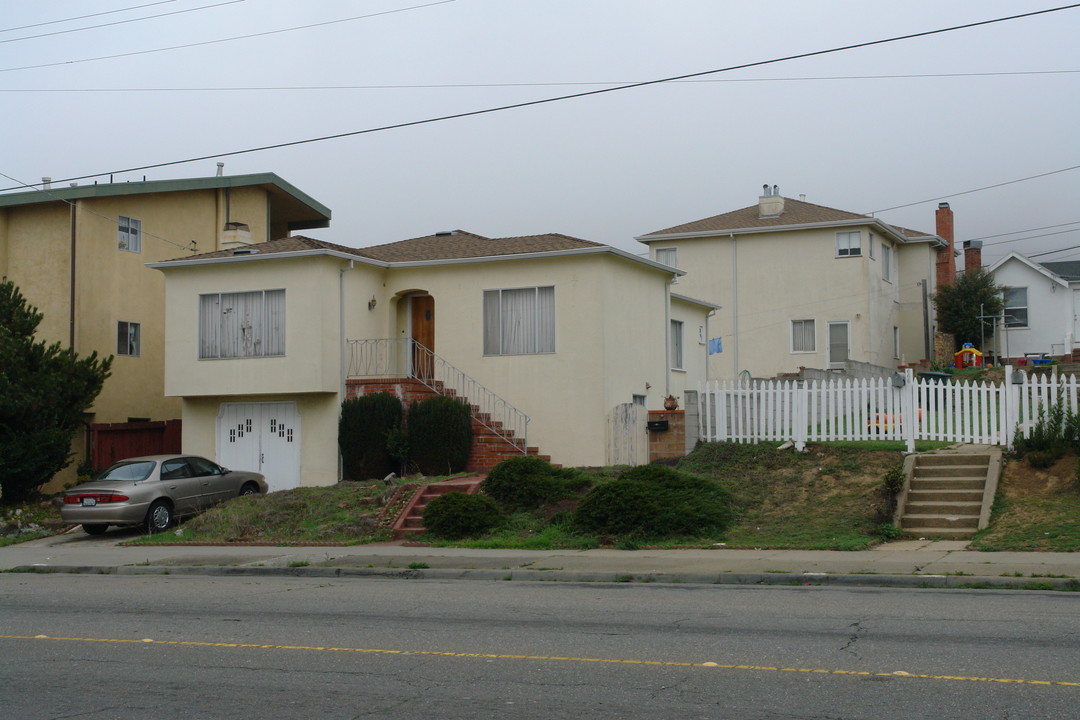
(849, 243)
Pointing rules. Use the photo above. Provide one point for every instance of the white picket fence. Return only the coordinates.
(898, 408)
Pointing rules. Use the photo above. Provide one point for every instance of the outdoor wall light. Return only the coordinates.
(372, 303)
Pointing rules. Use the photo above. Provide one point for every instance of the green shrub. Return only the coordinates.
(365, 425)
(652, 501)
(457, 515)
(440, 435)
(1042, 459)
(525, 482)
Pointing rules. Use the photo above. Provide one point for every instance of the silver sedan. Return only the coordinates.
(153, 491)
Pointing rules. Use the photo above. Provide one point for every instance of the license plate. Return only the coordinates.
(89, 502)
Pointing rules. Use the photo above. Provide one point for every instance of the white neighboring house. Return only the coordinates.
(1042, 306)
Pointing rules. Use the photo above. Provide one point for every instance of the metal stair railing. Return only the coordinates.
(406, 358)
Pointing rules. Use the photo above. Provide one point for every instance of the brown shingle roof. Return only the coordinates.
(460, 244)
(457, 245)
(796, 212)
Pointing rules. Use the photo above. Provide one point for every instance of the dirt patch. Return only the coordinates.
(1020, 480)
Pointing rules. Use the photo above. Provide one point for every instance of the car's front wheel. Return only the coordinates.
(95, 528)
(159, 517)
(249, 489)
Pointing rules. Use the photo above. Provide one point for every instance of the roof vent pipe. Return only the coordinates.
(46, 183)
(220, 169)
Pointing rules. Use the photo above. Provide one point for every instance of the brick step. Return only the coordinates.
(970, 522)
(938, 507)
(974, 483)
(946, 495)
(943, 533)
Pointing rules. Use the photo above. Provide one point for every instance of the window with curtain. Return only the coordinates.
(886, 262)
(129, 234)
(128, 338)
(803, 337)
(849, 243)
(519, 321)
(244, 324)
(676, 345)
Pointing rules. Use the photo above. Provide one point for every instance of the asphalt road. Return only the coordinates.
(194, 647)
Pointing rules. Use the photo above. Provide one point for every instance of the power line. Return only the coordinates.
(968, 192)
(83, 17)
(228, 39)
(588, 93)
(268, 88)
(121, 22)
(1015, 232)
(1031, 237)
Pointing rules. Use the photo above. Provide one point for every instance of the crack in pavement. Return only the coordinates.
(855, 636)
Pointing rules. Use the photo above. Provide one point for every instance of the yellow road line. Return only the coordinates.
(552, 658)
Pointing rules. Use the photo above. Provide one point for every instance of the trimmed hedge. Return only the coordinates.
(653, 501)
(440, 435)
(526, 482)
(457, 515)
(363, 429)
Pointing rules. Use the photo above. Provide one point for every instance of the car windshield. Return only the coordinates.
(128, 471)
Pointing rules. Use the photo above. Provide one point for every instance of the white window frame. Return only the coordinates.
(813, 335)
(129, 234)
(829, 346)
(515, 323)
(128, 338)
(849, 243)
(1023, 295)
(235, 325)
(677, 347)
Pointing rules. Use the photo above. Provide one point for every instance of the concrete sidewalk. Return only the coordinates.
(904, 564)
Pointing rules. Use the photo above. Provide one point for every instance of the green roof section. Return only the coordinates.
(308, 212)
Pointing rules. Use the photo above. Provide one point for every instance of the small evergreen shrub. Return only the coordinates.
(1042, 459)
(891, 485)
(525, 482)
(654, 501)
(457, 515)
(440, 435)
(366, 423)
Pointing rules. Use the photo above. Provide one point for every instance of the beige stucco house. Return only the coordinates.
(260, 340)
(79, 254)
(802, 285)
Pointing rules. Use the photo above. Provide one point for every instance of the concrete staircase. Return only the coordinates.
(410, 521)
(948, 495)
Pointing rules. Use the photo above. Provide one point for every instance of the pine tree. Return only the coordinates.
(44, 390)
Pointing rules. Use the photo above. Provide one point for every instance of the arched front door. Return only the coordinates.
(422, 320)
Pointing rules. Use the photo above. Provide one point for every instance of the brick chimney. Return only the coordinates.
(946, 258)
(770, 204)
(972, 255)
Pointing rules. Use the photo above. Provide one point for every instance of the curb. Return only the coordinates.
(766, 579)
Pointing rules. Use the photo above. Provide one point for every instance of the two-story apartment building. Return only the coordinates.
(802, 285)
(79, 255)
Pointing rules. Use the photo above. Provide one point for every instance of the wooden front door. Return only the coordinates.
(422, 310)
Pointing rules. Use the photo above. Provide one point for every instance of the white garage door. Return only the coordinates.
(264, 437)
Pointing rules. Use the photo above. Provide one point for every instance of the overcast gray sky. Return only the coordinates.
(1005, 105)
